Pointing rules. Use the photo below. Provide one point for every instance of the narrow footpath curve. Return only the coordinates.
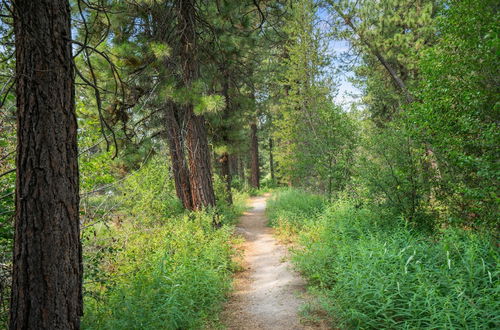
(267, 292)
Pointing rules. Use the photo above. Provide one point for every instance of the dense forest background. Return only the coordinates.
(186, 107)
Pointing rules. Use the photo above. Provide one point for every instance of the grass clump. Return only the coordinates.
(291, 210)
(371, 274)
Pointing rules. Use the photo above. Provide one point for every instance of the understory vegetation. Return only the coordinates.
(370, 270)
(149, 264)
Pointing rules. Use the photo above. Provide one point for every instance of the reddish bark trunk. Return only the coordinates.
(178, 158)
(47, 264)
(200, 176)
(254, 157)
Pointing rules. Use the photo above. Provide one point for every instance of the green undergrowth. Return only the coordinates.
(369, 272)
(166, 277)
(291, 211)
(149, 265)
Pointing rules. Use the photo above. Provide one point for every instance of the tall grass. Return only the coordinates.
(168, 277)
(292, 210)
(371, 274)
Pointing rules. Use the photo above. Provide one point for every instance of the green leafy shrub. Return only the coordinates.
(237, 183)
(150, 265)
(458, 110)
(150, 193)
(372, 274)
(267, 183)
(390, 175)
(224, 212)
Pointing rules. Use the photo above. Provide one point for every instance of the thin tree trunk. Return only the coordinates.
(254, 154)
(177, 157)
(47, 263)
(233, 165)
(241, 169)
(225, 128)
(200, 176)
(271, 160)
(226, 176)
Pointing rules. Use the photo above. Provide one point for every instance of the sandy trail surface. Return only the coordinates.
(267, 293)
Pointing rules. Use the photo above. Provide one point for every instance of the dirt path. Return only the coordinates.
(267, 293)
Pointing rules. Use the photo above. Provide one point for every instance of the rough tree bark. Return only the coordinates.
(177, 156)
(254, 157)
(200, 175)
(47, 263)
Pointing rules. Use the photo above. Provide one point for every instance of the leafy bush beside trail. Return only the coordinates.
(148, 265)
(370, 273)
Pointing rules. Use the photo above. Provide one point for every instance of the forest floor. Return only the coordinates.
(267, 292)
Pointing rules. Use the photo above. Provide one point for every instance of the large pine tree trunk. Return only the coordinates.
(47, 270)
(196, 137)
(200, 177)
(177, 156)
(254, 157)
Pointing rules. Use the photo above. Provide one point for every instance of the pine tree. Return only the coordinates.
(200, 174)
(389, 35)
(47, 273)
(315, 137)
